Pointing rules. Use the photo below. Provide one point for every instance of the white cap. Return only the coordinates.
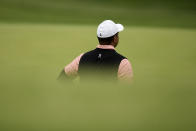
(108, 28)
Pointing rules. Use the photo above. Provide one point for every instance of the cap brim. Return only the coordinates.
(120, 27)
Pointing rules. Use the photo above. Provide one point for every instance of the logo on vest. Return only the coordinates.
(99, 56)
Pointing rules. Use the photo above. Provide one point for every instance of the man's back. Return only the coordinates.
(101, 63)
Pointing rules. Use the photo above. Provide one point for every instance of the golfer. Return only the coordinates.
(103, 60)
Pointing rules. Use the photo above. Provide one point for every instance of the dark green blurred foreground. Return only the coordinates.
(158, 13)
(161, 98)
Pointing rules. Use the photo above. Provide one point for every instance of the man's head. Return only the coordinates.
(113, 40)
(107, 33)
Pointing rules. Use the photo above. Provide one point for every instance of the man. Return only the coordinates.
(103, 61)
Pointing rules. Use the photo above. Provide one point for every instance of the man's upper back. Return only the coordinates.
(103, 62)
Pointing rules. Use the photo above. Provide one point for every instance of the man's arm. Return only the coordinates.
(63, 76)
(125, 72)
(71, 70)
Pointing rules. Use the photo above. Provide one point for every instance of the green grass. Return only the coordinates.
(162, 96)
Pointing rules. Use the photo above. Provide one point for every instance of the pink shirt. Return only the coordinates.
(125, 72)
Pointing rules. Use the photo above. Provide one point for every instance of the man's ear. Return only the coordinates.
(116, 39)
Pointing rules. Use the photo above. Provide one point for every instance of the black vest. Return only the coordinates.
(103, 63)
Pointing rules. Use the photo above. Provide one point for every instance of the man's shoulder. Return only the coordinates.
(120, 55)
(89, 52)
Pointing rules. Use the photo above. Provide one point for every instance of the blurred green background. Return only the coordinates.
(172, 13)
(38, 38)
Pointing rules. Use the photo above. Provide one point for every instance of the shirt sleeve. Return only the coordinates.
(72, 68)
(125, 72)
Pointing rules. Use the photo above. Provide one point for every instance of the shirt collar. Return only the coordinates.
(106, 47)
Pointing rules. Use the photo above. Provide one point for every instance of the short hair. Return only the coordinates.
(106, 41)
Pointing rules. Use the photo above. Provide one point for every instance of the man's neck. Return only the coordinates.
(106, 47)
